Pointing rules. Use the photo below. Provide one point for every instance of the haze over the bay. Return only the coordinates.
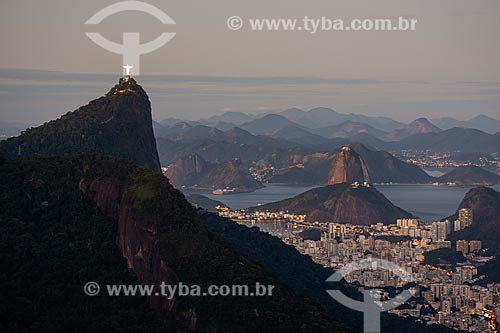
(449, 66)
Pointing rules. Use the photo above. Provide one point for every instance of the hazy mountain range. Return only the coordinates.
(321, 128)
(321, 117)
(320, 121)
(283, 152)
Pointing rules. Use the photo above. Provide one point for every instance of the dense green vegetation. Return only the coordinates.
(444, 256)
(311, 234)
(52, 241)
(490, 271)
(203, 202)
(395, 239)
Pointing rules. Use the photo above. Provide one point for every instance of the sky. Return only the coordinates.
(448, 66)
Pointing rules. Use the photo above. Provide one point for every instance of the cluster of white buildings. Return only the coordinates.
(438, 231)
(445, 296)
(244, 216)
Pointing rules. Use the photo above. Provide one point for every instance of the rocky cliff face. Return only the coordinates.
(230, 174)
(117, 124)
(348, 167)
(186, 168)
(192, 171)
(138, 242)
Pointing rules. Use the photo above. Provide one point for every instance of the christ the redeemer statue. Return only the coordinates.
(127, 69)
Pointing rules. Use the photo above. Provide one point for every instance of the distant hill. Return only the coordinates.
(203, 202)
(118, 124)
(197, 133)
(293, 114)
(185, 169)
(303, 137)
(369, 141)
(172, 121)
(470, 175)
(236, 118)
(422, 125)
(350, 129)
(341, 203)
(291, 132)
(268, 124)
(385, 168)
(480, 122)
(474, 157)
(485, 124)
(239, 135)
(230, 174)
(312, 169)
(163, 131)
(193, 171)
(418, 126)
(216, 146)
(454, 139)
(296, 176)
(321, 117)
(224, 126)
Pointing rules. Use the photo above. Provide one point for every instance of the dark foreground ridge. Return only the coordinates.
(62, 218)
